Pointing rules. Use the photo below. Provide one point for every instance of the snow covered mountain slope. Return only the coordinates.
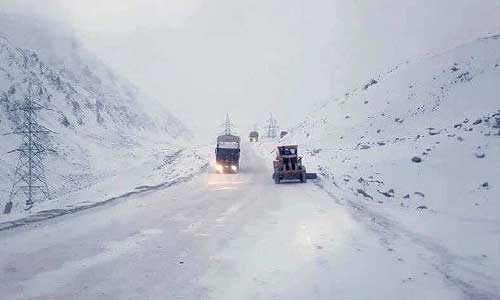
(416, 152)
(101, 121)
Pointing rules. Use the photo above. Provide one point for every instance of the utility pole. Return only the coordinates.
(272, 127)
(30, 184)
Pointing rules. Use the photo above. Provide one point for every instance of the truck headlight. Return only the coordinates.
(219, 168)
(234, 168)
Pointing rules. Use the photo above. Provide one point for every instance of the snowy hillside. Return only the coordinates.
(418, 149)
(100, 121)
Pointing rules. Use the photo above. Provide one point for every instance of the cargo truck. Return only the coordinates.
(227, 154)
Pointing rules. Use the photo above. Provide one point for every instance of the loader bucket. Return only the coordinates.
(311, 175)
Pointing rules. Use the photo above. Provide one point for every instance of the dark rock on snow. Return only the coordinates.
(365, 194)
(416, 159)
(372, 82)
(388, 194)
(433, 131)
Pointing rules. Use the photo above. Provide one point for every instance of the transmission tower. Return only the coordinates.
(228, 125)
(30, 184)
(272, 127)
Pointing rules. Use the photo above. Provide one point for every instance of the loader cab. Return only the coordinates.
(288, 155)
(288, 150)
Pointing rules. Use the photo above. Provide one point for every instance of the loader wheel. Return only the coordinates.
(303, 178)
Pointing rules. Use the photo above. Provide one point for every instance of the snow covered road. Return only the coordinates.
(220, 237)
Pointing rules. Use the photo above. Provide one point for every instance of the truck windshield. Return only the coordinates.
(224, 151)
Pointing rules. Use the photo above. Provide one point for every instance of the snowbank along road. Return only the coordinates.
(223, 237)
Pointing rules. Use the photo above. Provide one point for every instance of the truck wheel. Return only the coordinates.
(276, 179)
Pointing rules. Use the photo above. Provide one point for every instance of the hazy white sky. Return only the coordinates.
(249, 58)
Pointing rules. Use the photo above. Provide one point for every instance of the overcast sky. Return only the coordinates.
(249, 58)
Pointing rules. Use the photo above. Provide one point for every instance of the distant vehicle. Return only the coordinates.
(254, 136)
(283, 134)
(227, 154)
(288, 165)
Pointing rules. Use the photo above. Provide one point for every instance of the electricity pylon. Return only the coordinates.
(30, 184)
(228, 125)
(272, 127)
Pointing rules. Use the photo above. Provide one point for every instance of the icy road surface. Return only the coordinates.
(220, 237)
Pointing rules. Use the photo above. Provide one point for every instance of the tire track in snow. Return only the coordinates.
(391, 230)
(54, 213)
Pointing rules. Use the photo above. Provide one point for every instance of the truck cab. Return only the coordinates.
(253, 136)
